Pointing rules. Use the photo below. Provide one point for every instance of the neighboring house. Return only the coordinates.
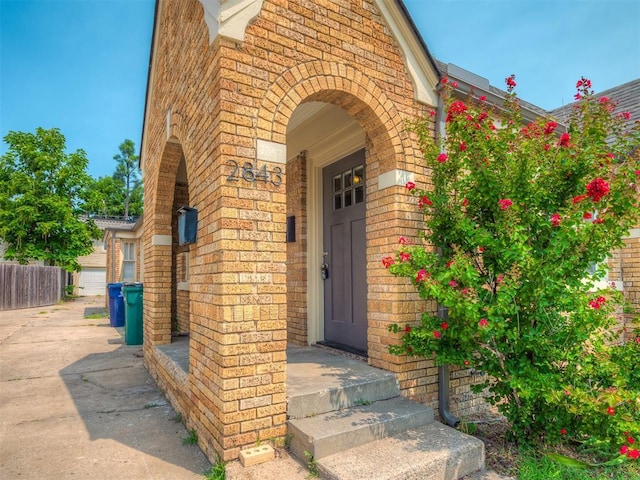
(93, 278)
(123, 256)
(284, 125)
(624, 264)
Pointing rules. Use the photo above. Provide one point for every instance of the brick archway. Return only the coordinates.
(344, 86)
(162, 190)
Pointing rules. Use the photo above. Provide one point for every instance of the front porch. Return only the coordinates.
(338, 409)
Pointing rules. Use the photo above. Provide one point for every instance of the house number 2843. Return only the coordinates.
(252, 173)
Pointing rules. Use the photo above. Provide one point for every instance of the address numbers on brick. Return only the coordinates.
(250, 172)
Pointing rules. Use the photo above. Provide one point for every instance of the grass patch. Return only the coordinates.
(100, 314)
(526, 463)
(191, 439)
(536, 467)
(218, 470)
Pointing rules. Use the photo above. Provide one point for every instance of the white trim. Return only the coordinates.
(161, 240)
(271, 151)
(395, 178)
(183, 286)
(229, 18)
(424, 76)
(633, 233)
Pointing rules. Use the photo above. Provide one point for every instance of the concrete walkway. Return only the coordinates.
(75, 402)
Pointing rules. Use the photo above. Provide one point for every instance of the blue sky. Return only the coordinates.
(81, 65)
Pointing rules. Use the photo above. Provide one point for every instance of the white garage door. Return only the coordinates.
(93, 281)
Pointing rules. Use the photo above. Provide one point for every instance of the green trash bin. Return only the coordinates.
(132, 293)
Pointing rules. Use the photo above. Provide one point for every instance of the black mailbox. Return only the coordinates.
(187, 225)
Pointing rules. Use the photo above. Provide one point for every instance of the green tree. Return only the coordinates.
(127, 172)
(42, 193)
(520, 214)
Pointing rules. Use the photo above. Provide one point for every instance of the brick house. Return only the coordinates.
(96, 271)
(282, 123)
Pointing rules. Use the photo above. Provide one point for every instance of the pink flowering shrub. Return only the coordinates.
(518, 215)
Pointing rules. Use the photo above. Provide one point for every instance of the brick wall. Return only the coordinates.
(297, 252)
(210, 104)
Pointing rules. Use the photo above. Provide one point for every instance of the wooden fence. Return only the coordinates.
(24, 286)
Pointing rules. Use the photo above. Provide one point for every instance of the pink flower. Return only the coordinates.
(596, 303)
(483, 322)
(482, 98)
(583, 83)
(499, 279)
(634, 454)
(424, 201)
(402, 241)
(564, 140)
(563, 431)
(623, 450)
(567, 393)
(436, 334)
(511, 82)
(603, 99)
(453, 284)
(422, 275)
(625, 115)
(465, 202)
(456, 108)
(407, 329)
(579, 198)
(387, 262)
(555, 219)
(432, 113)
(550, 127)
(463, 146)
(405, 257)
(444, 80)
(449, 263)
(442, 158)
(611, 411)
(481, 249)
(587, 215)
(410, 186)
(505, 203)
(454, 84)
(631, 440)
(444, 325)
(597, 189)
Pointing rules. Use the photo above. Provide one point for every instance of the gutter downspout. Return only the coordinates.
(443, 370)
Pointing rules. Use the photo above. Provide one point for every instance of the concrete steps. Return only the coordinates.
(431, 452)
(332, 432)
(351, 418)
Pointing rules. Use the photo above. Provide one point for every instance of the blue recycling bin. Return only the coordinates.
(116, 305)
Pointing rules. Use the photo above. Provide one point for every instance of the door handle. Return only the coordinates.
(324, 271)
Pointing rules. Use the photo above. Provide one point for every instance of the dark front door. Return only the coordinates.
(344, 269)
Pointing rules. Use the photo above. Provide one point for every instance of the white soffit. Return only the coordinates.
(425, 77)
(229, 18)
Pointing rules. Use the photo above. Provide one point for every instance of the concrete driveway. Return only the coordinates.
(75, 402)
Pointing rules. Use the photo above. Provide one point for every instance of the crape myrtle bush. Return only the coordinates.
(519, 215)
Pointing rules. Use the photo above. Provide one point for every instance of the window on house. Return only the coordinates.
(128, 261)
